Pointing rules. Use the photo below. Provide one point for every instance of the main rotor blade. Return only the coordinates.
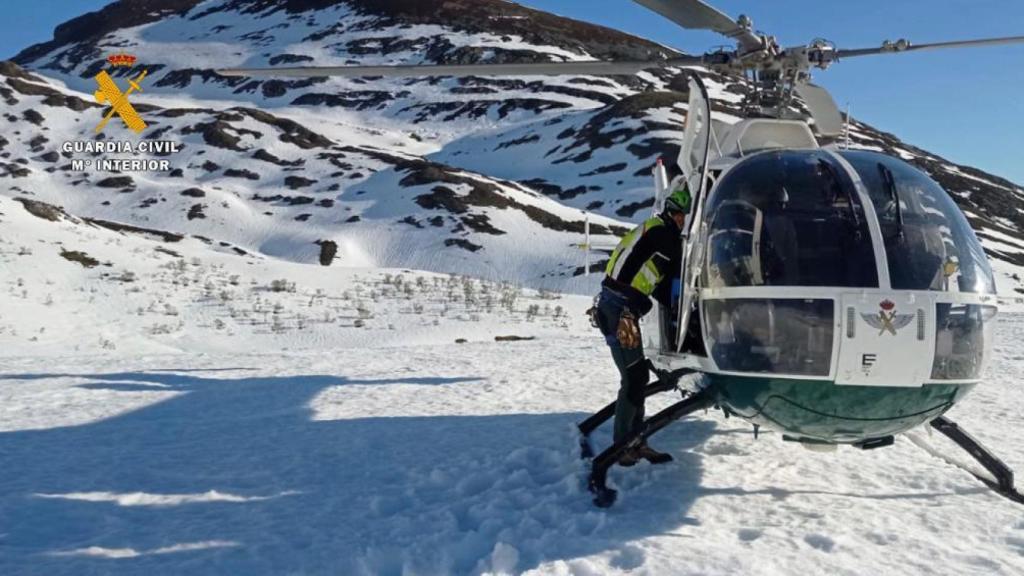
(593, 67)
(697, 15)
(895, 48)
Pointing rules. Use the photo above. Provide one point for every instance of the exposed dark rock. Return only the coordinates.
(480, 223)
(462, 243)
(514, 338)
(241, 173)
(42, 209)
(53, 97)
(194, 193)
(196, 211)
(119, 227)
(595, 268)
(629, 210)
(286, 200)
(81, 257)
(328, 250)
(265, 156)
(289, 59)
(291, 132)
(519, 141)
(36, 143)
(606, 169)
(297, 182)
(352, 100)
(472, 110)
(217, 134)
(33, 117)
(116, 182)
(183, 77)
(10, 69)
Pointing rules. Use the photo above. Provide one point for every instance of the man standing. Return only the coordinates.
(641, 267)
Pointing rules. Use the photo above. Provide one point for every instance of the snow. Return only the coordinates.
(288, 440)
(444, 458)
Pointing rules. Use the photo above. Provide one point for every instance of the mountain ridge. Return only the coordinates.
(353, 147)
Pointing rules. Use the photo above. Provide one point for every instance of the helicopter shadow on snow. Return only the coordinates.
(234, 475)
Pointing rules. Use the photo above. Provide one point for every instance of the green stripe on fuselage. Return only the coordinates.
(822, 411)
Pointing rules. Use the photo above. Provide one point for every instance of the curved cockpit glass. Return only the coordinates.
(928, 242)
(788, 218)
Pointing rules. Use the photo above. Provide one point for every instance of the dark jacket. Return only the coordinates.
(645, 263)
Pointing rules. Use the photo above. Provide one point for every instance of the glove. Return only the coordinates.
(628, 332)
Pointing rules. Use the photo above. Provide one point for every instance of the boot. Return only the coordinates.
(650, 454)
(629, 458)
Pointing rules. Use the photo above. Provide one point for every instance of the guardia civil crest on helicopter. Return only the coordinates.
(793, 244)
(887, 320)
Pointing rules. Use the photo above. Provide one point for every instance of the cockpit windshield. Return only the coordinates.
(788, 218)
(928, 242)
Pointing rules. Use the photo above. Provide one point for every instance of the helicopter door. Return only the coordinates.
(885, 340)
(694, 158)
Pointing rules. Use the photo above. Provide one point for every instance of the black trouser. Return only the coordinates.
(632, 365)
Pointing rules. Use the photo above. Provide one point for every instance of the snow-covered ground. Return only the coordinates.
(440, 458)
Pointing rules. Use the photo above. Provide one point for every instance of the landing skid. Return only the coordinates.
(597, 482)
(663, 384)
(1003, 484)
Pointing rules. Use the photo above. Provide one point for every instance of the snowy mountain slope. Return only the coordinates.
(271, 186)
(585, 142)
(74, 286)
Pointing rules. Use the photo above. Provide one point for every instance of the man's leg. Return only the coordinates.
(629, 409)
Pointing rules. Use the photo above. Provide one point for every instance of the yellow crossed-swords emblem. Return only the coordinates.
(890, 322)
(109, 92)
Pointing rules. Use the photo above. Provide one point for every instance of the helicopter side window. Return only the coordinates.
(929, 243)
(775, 336)
(788, 218)
(961, 333)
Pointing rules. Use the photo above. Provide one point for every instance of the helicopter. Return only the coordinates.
(836, 296)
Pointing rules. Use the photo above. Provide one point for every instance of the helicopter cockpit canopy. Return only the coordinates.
(788, 218)
(795, 218)
(929, 244)
(794, 222)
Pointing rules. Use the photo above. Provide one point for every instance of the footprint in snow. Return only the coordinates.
(882, 539)
(823, 543)
(1017, 543)
(749, 534)
(629, 558)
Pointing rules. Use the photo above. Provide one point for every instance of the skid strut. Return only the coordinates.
(597, 483)
(586, 427)
(1003, 484)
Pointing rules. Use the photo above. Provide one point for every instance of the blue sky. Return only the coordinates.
(967, 105)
